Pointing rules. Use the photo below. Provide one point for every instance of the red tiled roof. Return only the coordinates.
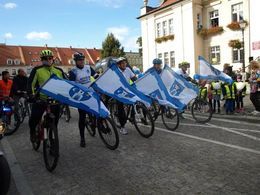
(9, 52)
(29, 55)
(165, 4)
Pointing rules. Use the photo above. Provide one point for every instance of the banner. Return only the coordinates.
(113, 83)
(178, 88)
(75, 95)
(208, 72)
(151, 85)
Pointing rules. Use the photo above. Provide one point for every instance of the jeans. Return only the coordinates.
(229, 105)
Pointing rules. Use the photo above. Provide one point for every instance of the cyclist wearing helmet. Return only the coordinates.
(81, 74)
(182, 70)
(157, 65)
(37, 78)
(129, 75)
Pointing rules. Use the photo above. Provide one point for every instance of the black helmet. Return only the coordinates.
(78, 56)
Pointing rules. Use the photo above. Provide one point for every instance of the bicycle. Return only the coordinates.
(47, 132)
(201, 110)
(65, 110)
(5, 172)
(23, 106)
(170, 116)
(10, 120)
(137, 114)
(106, 128)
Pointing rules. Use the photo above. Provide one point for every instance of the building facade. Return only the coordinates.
(181, 30)
(14, 57)
(134, 59)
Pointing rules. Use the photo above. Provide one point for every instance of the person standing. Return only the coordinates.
(241, 93)
(216, 91)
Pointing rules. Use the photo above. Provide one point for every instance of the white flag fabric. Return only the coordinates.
(177, 87)
(113, 83)
(75, 95)
(151, 85)
(208, 72)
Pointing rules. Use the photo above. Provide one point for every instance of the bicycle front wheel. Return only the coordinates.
(12, 123)
(143, 120)
(201, 111)
(51, 147)
(170, 118)
(108, 133)
(90, 125)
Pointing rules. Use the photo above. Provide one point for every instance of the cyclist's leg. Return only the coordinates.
(16, 107)
(81, 124)
(121, 114)
(36, 115)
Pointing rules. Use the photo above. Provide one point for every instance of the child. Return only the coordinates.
(203, 90)
(229, 93)
(241, 92)
(209, 94)
(216, 91)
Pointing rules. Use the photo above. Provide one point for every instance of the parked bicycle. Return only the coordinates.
(47, 133)
(137, 114)
(10, 120)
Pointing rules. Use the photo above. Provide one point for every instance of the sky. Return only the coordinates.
(65, 23)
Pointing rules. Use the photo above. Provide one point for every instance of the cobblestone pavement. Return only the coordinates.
(222, 157)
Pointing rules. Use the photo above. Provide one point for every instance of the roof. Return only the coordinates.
(29, 55)
(165, 4)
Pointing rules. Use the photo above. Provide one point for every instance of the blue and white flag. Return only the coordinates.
(208, 72)
(178, 88)
(113, 83)
(151, 85)
(75, 95)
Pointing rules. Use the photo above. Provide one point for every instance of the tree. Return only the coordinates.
(140, 44)
(111, 47)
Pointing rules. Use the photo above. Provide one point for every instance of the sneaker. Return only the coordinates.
(82, 143)
(123, 131)
(256, 112)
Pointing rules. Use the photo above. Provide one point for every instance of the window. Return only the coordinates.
(213, 18)
(238, 55)
(17, 61)
(215, 55)
(164, 28)
(199, 22)
(158, 27)
(160, 56)
(9, 61)
(13, 72)
(172, 56)
(166, 58)
(237, 12)
(171, 27)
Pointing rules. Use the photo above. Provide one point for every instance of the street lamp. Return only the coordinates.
(242, 25)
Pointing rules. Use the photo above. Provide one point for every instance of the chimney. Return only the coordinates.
(46, 45)
(144, 8)
(70, 47)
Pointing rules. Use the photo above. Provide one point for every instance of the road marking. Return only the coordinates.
(210, 141)
(235, 132)
(227, 120)
(198, 125)
(20, 180)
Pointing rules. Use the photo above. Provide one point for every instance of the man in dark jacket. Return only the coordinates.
(19, 88)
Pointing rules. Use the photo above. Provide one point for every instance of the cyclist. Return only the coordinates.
(19, 86)
(182, 71)
(82, 74)
(37, 78)
(5, 85)
(157, 66)
(129, 76)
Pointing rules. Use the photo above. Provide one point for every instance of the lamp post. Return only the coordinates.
(242, 25)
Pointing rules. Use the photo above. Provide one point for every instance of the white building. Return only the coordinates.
(181, 30)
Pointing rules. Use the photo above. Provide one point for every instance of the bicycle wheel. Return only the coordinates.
(154, 110)
(51, 147)
(12, 123)
(108, 133)
(90, 126)
(37, 142)
(114, 113)
(5, 173)
(201, 111)
(170, 118)
(67, 114)
(143, 120)
(21, 112)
